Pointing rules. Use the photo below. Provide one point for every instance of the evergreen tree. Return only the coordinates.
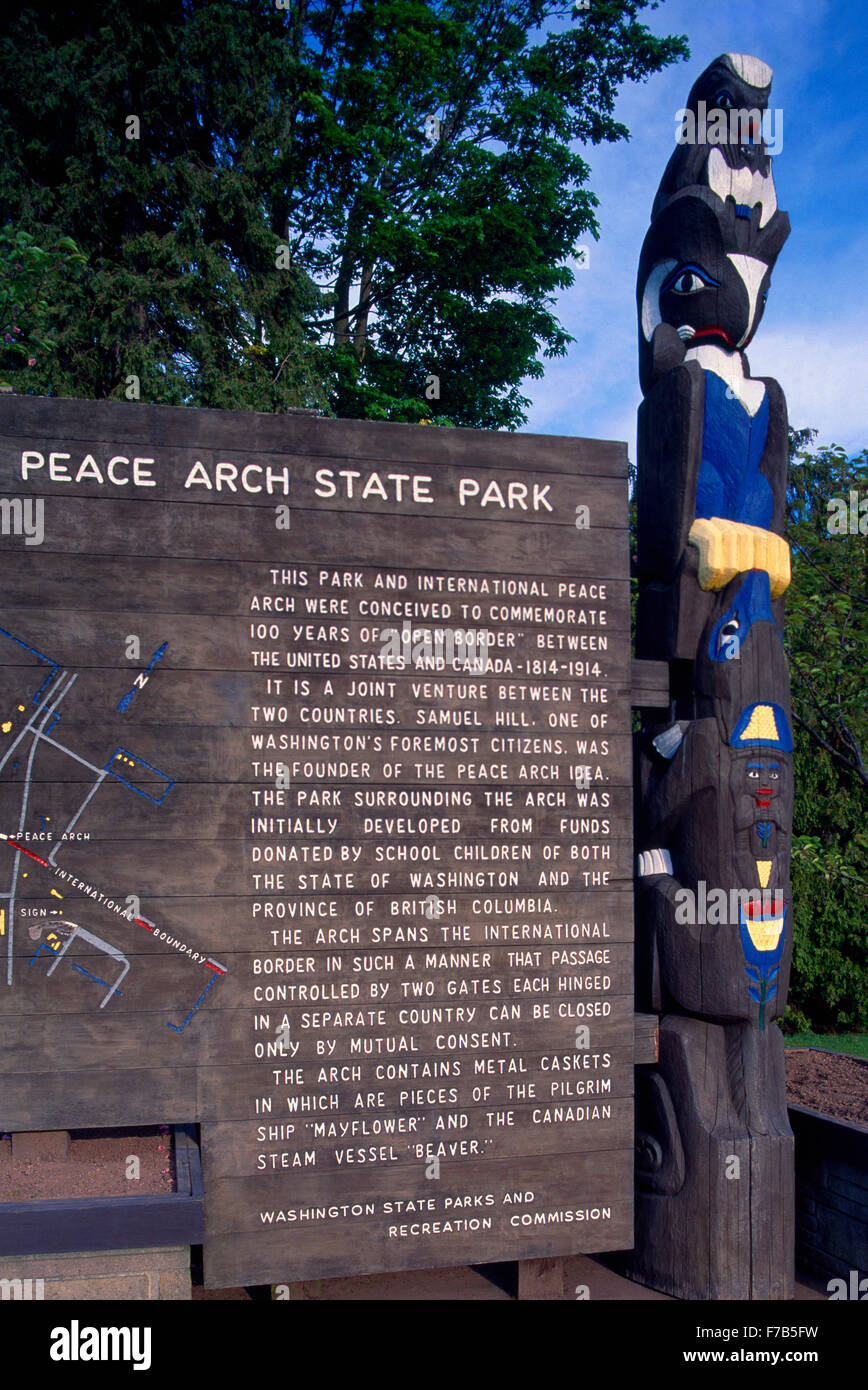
(318, 202)
(145, 131)
(31, 280)
(827, 646)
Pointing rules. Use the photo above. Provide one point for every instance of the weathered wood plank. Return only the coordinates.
(28, 417)
(650, 684)
(557, 1179)
(647, 1039)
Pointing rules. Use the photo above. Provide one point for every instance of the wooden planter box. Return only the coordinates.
(831, 1193)
(112, 1223)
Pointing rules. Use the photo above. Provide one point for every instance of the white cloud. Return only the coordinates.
(823, 369)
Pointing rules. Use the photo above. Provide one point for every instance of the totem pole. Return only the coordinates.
(715, 782)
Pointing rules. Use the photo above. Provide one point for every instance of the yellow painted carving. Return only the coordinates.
(765, 935)
(728, 548)
(762, 724)
(764, 869)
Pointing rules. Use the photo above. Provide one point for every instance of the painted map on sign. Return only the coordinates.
(64, 908)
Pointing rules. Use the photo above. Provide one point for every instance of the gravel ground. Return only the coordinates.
(829, 1082)
(96, 1167)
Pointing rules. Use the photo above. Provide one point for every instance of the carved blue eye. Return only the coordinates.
(688, 279)
(728, 636)
(688, 283)
(724, 100)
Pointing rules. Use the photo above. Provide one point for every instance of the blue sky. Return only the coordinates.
(812, 338)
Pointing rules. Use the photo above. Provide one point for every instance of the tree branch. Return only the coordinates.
(839, 757)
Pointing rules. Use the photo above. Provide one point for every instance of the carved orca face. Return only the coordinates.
(736, 82)
(723, 307)
(733, 79)
(699, 276)
(706, 271)
(720, 142)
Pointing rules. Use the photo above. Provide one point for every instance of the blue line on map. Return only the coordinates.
(141, 679)
(210, 985)
(55, 665)
(141, 763)
(96, 978)
(39, 950)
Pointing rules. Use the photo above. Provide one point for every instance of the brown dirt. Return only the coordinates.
(96, 1167)
(831, 1082)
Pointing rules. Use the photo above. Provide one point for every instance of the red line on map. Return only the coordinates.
(219, 970)
(28, 852)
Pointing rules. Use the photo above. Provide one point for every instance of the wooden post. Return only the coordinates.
(714, 1217)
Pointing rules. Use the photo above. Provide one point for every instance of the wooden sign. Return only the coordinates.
(315, 796)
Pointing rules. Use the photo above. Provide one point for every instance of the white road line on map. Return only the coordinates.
(29, 725)
(45, 739)
(37, 734)
(96, 786)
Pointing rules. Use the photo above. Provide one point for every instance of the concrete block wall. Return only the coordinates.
(161, 1273)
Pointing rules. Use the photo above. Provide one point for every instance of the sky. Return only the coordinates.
(812, 338)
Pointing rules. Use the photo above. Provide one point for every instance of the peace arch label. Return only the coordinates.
(316, 805)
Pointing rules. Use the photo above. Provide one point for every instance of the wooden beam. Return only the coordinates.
(646, 1039)
(112, 1223)
(650, 684)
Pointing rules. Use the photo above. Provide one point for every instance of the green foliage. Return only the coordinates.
(31, 277)
(457, 239)
(856, 1044)
(827, 646)
(300, 132)
(180, 287)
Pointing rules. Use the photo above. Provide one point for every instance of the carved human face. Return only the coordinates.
(763, 779)
(761, 783)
